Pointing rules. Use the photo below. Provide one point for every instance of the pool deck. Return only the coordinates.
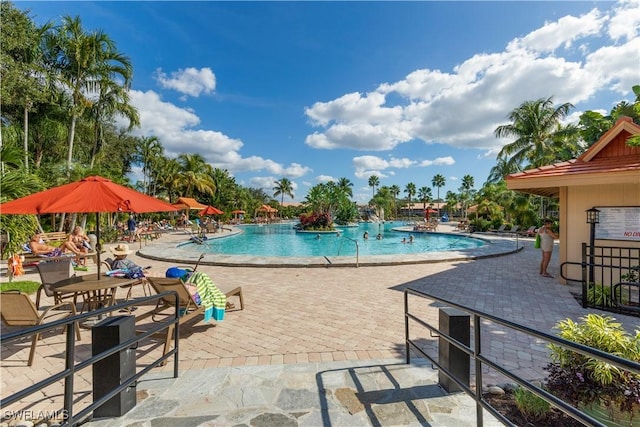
(176, 251)
(318, 347)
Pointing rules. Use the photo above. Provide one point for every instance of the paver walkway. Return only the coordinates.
(301, 322)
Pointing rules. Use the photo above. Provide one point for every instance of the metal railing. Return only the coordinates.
(71, 368)
(610, 278)
(479, 359)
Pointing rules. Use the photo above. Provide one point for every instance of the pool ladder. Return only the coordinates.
(357, 250)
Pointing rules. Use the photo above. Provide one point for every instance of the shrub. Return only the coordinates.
(532, 407)
(315, 221)
(586, 381)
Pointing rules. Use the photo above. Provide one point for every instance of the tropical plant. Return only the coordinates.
(532, 406)
(149, 149)
(425, 196)
(345, 185)
(316, 222)
(22, 68)
(395, 192)
(587, 381)
(83, 62)
(438, 181)
(410, 189)
(283, 187)
(466, 192)
(195, 175)
(374, 181)
(536, 125)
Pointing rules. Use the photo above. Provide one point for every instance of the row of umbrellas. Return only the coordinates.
(93, 194)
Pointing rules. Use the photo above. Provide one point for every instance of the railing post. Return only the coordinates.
(585, 287)
(454, 323)
(406, 327)
(69, 363)
(477, 349)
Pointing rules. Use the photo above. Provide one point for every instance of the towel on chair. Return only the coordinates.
(211, 297)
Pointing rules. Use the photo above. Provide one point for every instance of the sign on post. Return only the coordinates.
(619, 223)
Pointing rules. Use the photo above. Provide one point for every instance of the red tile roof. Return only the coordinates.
(610, 157)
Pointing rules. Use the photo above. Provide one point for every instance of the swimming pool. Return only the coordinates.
(281, 240)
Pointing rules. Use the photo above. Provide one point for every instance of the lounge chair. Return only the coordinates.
(499, 230)
(17, 309)
(513, 230)
(52, 272)
(530, 232)
(188, 306)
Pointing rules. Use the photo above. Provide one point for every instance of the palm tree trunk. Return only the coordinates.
(26, 137)
(72, 130)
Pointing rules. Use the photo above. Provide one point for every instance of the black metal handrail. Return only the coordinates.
(71, 368)
(479, 358)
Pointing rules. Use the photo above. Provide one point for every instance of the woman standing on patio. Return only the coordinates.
(547, 237)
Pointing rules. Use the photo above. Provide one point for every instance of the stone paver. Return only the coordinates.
(302, 325)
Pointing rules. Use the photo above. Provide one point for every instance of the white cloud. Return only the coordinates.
(626, 21)
(175, 128)
(563, 32)
(267, 183)
(572, 59)
(440, 161)
(190, 81)
(325, 178)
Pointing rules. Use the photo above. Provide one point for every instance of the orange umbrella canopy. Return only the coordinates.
(90, 194)
(267, 208)
(210, 210)
(238, 212)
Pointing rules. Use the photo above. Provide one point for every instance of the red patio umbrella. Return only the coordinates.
(210, 210)
(429, 211)
(90, 194)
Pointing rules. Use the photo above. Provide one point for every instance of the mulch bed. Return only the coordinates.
(506, 405)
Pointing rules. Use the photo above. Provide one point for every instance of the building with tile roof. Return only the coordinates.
(607, 175)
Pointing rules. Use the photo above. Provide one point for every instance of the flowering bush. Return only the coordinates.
(315, 221)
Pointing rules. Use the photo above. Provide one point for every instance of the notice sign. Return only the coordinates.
(619, 223)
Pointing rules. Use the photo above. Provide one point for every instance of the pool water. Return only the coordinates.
(281, 240)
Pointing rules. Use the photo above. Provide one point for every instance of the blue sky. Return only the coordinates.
(315, 91)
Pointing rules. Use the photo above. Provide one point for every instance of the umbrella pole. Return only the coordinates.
(98, 245)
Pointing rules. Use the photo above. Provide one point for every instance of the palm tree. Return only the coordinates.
(22, 66)
(345, 185)
(283, 187)
(149, 150)
(465, 190)
(410, 189)
(395, 192)
(83, 63)
(195, 175)
(438, 181)
(536, 125)
(382, 201)
(424, 195)
(113, 100)
(374, 181)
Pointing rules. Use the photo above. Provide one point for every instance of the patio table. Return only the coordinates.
(97, 292)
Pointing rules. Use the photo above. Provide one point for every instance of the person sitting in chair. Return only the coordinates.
(38, 247)
(121, 262)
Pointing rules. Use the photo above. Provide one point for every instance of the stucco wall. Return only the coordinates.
(574, 201)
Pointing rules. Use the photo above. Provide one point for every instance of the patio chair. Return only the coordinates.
(52, 272)
(17, 309)
(513, 230)
(499, 230)
(188, 307)
(530, 232)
